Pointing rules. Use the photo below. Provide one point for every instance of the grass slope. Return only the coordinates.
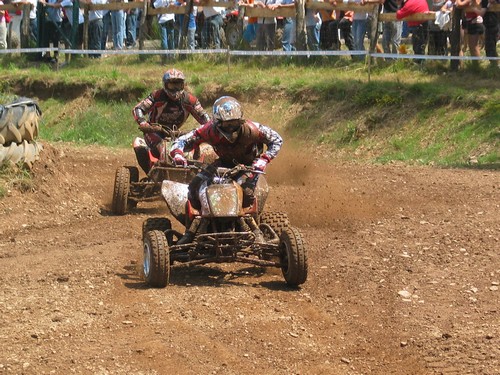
(398, 112)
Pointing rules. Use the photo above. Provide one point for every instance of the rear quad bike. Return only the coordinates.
(129, 190)
(222, 231)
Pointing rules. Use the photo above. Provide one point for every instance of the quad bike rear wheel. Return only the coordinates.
(155, 223)
(123, 177)
(156, 262)
(293, 256)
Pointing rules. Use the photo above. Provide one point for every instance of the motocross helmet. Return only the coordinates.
(173, 83)
(228, 116)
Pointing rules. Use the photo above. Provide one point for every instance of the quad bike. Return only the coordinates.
(129, 190)
(223, 231)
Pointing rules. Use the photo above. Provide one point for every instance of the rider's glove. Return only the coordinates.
(179, 159)
(146, 127)
(260, 164)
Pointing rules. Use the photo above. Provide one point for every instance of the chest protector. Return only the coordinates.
(168, 112)
(244, 150)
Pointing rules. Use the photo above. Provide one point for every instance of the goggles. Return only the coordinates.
(230, 126)
(175, 85)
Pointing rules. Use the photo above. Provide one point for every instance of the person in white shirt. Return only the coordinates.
(167, 24)
(266, 30)
(96, 26)
(212, 27)
(68, 9)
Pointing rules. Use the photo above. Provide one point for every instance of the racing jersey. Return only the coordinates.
(248, 146)
(167, 112)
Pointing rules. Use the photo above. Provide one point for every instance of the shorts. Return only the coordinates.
(475, 28)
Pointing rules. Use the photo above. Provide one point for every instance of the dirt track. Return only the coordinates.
(404, 273)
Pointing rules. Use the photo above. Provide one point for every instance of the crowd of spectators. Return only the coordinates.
(51, 22)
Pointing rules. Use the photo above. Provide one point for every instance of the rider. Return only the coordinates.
(235, 141)
(168, 109)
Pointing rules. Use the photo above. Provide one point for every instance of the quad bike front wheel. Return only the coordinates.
(123, 177)
(155, 223)
(293, 256)
(156, 262)
(278, 221)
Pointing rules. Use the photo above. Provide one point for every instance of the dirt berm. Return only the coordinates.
(404, 274)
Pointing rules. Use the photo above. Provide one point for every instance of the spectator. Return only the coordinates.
(359, 25)
(491, 26)
(475, 27)
(131, 27)
(391, 33)
(266, 31)
(3, 28)
(51, 27)
(438, 37)
(118, 27)
(345, 27)
(67, 6)
(289, 29)
(96, 26)
(189, 30)
(212, 27)
(419, 29)
(313, 26)
(329, 32)
(167, 24)
(250, 32)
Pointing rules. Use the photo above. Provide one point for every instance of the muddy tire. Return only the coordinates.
(155, 223)
(278, 221)
(156, 261)
(293, 256)
(134, 177)
(120, 191)
(233, 35)
(19, 121)
(26, 153)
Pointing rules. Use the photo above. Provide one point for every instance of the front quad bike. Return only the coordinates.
(222, 231)
(129, 190)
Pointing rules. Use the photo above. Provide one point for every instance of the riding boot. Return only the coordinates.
(189, 235)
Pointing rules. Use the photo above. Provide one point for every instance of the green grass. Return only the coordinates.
(399, 112)
(14, 177)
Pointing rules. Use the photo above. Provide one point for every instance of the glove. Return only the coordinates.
(260, 164)
(146, 127)
(179, 159)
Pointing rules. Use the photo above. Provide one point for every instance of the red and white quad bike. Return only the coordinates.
(223, 231)
(129, 190)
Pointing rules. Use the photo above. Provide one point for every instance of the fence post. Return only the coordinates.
(300, 24)
(25, 27)
(86, 26)
(142, 25)
(455, 38)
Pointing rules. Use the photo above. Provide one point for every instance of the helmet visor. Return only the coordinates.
(230, 126)
(175, 85)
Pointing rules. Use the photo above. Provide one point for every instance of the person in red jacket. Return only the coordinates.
(235, 140)
(419, 29)
(168, 109)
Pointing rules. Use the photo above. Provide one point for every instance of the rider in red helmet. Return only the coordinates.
(164, 109)
(235, 141)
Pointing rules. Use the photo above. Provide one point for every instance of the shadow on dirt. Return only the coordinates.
(203, 276)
